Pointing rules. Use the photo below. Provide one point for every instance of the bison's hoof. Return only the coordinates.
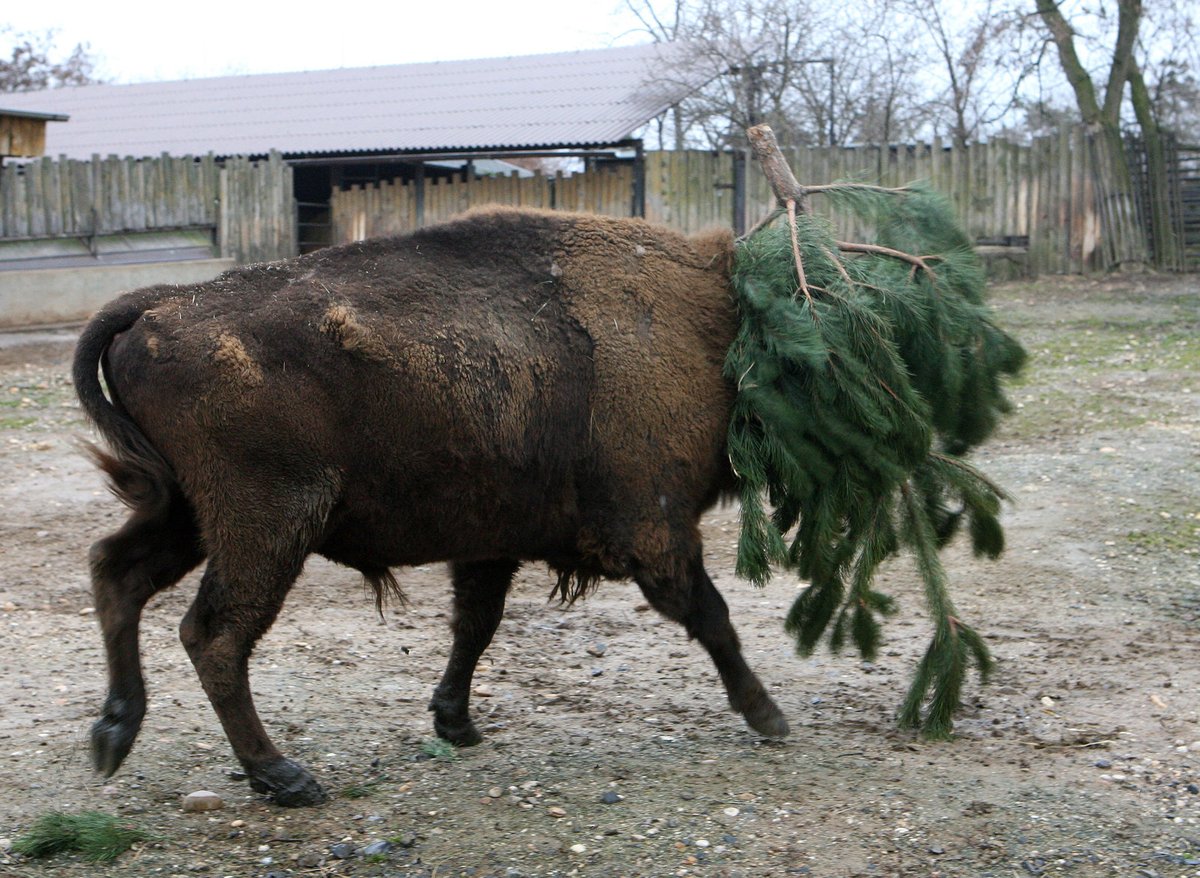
(287, 784)
(112, 739)
(461, 734)
(768, 720)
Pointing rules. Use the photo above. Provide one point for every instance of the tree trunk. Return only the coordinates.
(1166, 249)
(1124, 235)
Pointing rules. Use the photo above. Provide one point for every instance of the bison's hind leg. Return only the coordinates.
(260, 542)
(691, 599)
(154, 549)
(479, 592)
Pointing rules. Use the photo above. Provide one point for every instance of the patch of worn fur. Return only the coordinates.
(343, 323)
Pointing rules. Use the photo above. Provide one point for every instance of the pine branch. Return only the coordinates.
(779, 175)
(848, 372)
(877, 250)
(858, 187)
(791, 212)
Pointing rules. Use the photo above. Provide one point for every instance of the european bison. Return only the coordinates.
(512, 386)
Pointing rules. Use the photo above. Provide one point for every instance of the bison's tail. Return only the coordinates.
(137, 473)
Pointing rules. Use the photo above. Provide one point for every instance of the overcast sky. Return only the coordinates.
(144, 40)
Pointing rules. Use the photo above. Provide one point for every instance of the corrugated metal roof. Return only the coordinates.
(592, 97)
(33, 114)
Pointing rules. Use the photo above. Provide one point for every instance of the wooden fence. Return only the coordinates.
(257, 210)
(1045, 203)
(1039, 201)
(390, 208)
(1041, 196)
(247, 203)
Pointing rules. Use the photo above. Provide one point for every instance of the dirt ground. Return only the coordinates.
(1081, 757)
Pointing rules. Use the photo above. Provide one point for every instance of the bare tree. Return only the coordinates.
(1101, 113)
(784, 63)
(33, 63)
(1167, 59)
(978, 69)
(879, 95)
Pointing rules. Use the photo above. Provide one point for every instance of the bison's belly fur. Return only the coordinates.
(511, 386)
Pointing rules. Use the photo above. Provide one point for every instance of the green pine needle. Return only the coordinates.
(857, 399)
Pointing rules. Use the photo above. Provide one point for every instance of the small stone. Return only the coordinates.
(702, 842)
(1102, 763)
(495, 792)
(309, 861)
(377, 847)
(406, 839)
(556, 812)
(237, 824)
(597, 649)
(202, 800)
(937, 849)
(610, 797)
(579, 848)
(731, 812)
(342, 850)
(1193, 789)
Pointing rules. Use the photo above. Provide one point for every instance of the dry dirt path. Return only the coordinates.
(1081, 758)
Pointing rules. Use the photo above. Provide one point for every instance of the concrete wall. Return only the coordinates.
(65, 295)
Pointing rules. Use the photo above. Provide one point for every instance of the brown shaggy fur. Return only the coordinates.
(508, 387)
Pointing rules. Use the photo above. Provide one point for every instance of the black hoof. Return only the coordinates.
(112, 739)
(287, 784)
(462, 734)
(767, 719)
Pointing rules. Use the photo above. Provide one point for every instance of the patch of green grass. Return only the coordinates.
(359, 790)
(16, 423)
(98, 837)
(1177, 533)
(1043, 411)
(439, 749)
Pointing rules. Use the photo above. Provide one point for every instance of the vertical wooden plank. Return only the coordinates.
(1058, 217)
(1064, 199)
(1021, 154)
(36, 198)
(1093, 231)
(995, 192)
(223, 226)
(1049, 196)
(1079, 210)
(12, 184)
(1039, 206)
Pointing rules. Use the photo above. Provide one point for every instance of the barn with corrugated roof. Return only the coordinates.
(361, 125)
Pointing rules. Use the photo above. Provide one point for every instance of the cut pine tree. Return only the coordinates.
(865, 374)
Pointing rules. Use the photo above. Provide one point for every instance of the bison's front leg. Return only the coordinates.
(694, 601)
(479, 592)
(219, 632)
